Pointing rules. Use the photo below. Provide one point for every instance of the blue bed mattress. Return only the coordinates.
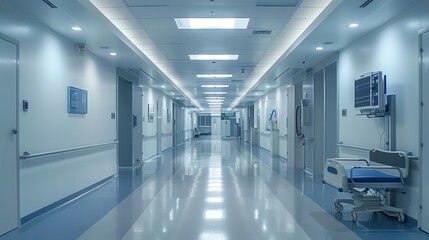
(371, 175)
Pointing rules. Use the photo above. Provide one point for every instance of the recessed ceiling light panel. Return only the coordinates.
(214, 86)
(212, 23)
(213, 93)
(319, 48)
(215, 97)
(214, 75)
(353, 25)
(211, 57)
(113, 54)
(76, 28)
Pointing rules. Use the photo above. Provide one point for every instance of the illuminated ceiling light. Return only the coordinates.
(218, 57)
(353, 25)
(163, 86)
(113, 54)
(212, 23)
(214, 75)
(76, 28)
(215, 97)
(268, 86)
(215, 100)
(319, 48)
(213, 93)
(214, 103)
(214, 200)
(214, 86)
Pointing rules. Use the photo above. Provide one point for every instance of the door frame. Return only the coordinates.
(17, 43)
(159, 110)
(421, 170)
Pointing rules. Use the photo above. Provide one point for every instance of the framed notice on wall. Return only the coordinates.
(150, 113)
(77, 100)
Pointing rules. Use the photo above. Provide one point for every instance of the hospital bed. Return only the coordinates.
(369, 181)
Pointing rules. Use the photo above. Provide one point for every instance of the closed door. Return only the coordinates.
(174, 124)
(425, 132)
(8, 141)
(125, 123)
(159, 127)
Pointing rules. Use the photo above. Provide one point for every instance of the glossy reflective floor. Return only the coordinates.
(211, 189)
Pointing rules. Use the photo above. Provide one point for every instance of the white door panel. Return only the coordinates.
(8, 153)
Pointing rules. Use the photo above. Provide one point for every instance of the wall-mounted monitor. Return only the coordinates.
(77, 100)
(369, 92)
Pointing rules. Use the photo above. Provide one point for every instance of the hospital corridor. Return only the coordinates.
(214, 119)
(211, 189)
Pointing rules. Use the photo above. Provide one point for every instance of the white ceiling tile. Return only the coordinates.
(315, 3)
(116, 12)
(285, 3)
(123, 23)
(108, 3)
(139, 3)
(307, 12)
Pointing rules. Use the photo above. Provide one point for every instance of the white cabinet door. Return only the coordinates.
(8, 153)
(425, 133)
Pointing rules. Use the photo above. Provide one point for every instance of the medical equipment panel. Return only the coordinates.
(369, 92)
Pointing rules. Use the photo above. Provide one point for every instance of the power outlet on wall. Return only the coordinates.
(344, 112)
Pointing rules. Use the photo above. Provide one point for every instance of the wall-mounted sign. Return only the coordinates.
(77, 100)
(150, 113)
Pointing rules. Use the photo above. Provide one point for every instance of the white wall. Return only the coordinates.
(392, 49)
(277, 98)
(167, 127)
(150, 97)
(48, 64)
(188, 124)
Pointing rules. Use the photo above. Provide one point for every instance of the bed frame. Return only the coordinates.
(368, 181)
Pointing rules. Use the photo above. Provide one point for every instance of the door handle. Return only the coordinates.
(14, 131)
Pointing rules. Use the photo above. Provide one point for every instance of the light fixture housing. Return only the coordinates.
(213, 57)
(212, 23)
(215, 100)
(215, 93)
(214, 75)
(353, 25)
(319, 48)
(76, 28)
(113, 54)
(215, 86)
(214, 103)
(215, 97)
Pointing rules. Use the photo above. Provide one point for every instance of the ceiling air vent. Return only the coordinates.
(236, 80)
(50, 4)
(261, 32)
(366, 3)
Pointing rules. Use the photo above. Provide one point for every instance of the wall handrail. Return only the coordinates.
(27, 155)
(353, 147)
(410, 154)
(149, 136)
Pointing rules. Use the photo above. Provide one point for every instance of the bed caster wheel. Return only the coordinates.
(401, 217)
(338, 207)
(354, 216)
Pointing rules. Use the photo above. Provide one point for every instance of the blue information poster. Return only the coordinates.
(77, 100)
